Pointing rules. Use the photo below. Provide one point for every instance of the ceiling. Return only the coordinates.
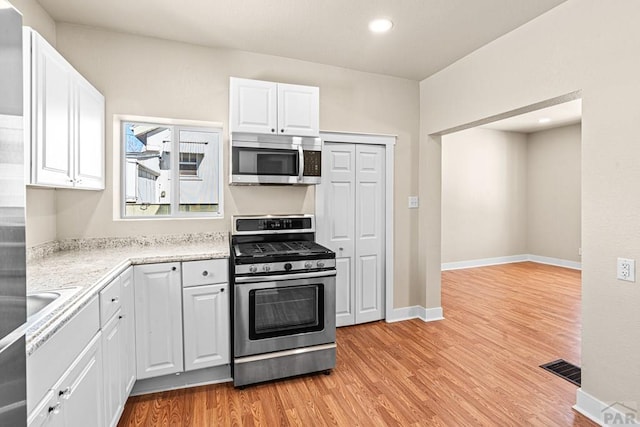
(557, 115)
(427, 36)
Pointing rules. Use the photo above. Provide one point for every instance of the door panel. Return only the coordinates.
(369, 231)
(352, 225)
(344, 293)
(253, 106)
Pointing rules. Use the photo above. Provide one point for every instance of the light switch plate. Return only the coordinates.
(413, 202)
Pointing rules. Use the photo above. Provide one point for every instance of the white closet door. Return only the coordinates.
(351, 224)
(339, 223)
(369, 237)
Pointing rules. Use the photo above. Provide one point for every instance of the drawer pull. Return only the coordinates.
(205, 273)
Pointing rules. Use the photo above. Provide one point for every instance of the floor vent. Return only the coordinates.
(564, 369)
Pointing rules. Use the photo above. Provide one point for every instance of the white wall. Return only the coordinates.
(192, 82)
(484, 194)
(584, 45)
(553, 193)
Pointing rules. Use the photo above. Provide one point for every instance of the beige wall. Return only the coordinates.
(553, 193)
(509, 193)
(34, 16)
(152, 77)
(580, 45)
(484, 194)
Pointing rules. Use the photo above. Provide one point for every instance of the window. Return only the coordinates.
(171, 170)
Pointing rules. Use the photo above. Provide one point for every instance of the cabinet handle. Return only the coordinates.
(273, 130)
(63, 392)
(174, 268)
(115, 299)
(340, 249)
(55, 409)
(281, 130)
(222, 290)
(121, 316)
(205, 273)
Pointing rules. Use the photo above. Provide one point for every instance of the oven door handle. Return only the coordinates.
(292, 276)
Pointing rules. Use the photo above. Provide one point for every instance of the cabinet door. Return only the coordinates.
(112, 349)
(128, 331)
(206, 326)
(253, 106)
(89, 136)
(51, 115)
(298, 110)
(81, 391)
(158, 307)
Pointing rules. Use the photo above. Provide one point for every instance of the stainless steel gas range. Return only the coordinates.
(283, 299)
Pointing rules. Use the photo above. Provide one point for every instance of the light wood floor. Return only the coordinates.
(477, 367)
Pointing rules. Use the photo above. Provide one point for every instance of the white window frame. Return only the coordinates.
(119, 160)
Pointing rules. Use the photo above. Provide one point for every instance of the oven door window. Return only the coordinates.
(276, 312)
(263, 161)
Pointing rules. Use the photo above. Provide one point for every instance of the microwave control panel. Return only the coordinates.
(312, 163)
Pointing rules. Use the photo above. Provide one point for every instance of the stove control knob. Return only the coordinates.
(253, 269)
(288, 266)
(266, 268)
(308, 264)
(320, 264)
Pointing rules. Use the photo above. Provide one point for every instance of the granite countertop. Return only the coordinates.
(88, 265)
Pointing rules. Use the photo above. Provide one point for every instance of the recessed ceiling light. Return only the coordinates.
(544, 120)
(381, 25)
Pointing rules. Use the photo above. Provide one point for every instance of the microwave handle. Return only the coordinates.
(300, 163)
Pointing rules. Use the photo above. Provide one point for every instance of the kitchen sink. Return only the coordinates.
(40, 304)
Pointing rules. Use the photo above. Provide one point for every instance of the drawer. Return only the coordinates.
(110, 300)
(206, 272)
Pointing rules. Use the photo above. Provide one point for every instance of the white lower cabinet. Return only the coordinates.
(116, 312)
(158, 308)
(206, 326)
(75, 400)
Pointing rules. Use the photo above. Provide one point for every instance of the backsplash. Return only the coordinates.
(46, 249)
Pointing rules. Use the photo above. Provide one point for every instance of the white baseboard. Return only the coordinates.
(457, 265)
(606, 414)
(416, 312)
(556, 261)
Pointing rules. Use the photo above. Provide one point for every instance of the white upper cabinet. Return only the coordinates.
(298, 110)
(64, 120)
(253, 106)
(273, 108)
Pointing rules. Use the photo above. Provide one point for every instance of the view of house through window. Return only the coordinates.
(171, 170)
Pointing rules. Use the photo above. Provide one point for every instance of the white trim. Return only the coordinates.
(416, 312)
(595, 410)
(483, 262)
(358, 138)
(389, 142)
(555, 261)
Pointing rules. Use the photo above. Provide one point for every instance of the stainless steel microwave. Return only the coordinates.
(275, 159)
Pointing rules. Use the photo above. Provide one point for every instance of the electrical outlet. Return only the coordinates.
(413, 202)
(626, 269)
